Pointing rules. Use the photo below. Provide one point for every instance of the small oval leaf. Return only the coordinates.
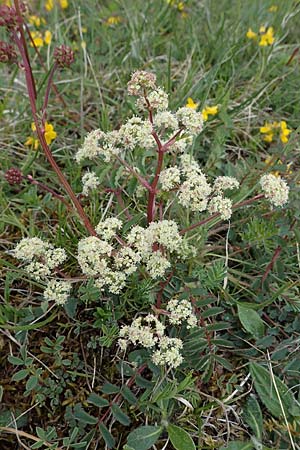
(180, 439)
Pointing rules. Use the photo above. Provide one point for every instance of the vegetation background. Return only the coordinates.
(52, 361)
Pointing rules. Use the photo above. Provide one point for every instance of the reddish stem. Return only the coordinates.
(47, 93)
(152, 193)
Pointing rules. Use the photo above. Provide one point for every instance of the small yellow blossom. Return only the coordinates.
(269, 161)
(113, 20)
(32, 142)
(37, 39)
(47, 37)
(49, 5)
(250, 34)
(36, 21)
(285, 132)
(269, 129)
(191, 103)
(49, 132)
(273, 8)
(267, 38)
(64, 4)
(209, 111)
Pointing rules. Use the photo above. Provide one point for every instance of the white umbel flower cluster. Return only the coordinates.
(97, 143)
(221, 184)
(158, 100)
(136, 132)
(275, 189)
(90, 181)
(41, 259)
(141, 81)
(108, 228)
(165, 120)
(181, 311)
(150, 333)
(195, 191)
(222, 205)
(190, 119)
(92, 255)
(169, 178)
(57, 291)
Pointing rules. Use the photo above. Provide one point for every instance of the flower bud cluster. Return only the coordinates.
(9, 17)
(7, 53)
(141, 82)
(275, 189)
(13, 176)
(90, 181)
(63, 56)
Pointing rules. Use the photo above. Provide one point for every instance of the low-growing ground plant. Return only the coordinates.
(151, 250)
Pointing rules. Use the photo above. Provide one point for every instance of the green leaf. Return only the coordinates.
(265, 388)
(238, 445)
(119, 415)
(144, 437)
(97, 400)
(38, 444)
(16, 361)
(251, 321)
(128, 395)
(109, 388)
(32, 382)
(20, 375)
(83, 416)
(180, 439)
(253, 417)
(107, 436)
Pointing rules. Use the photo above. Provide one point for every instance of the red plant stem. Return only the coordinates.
(44, 187)
(163, 284)
(47, 93)
(21, 43)
(209, 219)
(271, 263)
(141, 179)
(152, 193)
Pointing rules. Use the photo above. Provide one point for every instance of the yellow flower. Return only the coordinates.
(285, 132)
(250, 34)
(113, 20)
(191, 103)
(48, 37)
(36, 21)
(209, 111)
(49, 133)
(32, 142)
(64, 4)
(49, 5)
(269, 161)
(37, 39)
(273, 8)
(267, 38)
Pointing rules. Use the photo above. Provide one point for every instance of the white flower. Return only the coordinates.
(98, 143)
(92, 253)
(140, 82)
(194, 192)
(221, 205)
(144, 331)
(57, 291)
(169, 178)
(90, 181)
(168, 353)
(108, 228)
(157, 265)
(37, 270)
(180, 311)
(136, 133)
(190, 119)
(28, 248)
(275, 189)
(127, 260)
(166, 120)
(223, 183)
(158, 99)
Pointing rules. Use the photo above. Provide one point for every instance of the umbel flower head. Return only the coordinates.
(7, 53)
(275, 189)
(63, 56)
(13, 176)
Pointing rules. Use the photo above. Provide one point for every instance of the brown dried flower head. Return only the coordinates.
(7, 53)
(13, 176)
(63, 56)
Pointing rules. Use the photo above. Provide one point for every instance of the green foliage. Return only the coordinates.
(179, 438)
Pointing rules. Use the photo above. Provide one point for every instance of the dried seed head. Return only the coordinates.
(13, 176)
(9, 17)
(7, 53)
(63, 56)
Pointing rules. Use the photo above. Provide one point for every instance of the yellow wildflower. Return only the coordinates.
(269, 161)
(113, 20)
(36, 21)
(47, 37)
(64, 4)
(191, 103)
(209, 111)
(269, 130)
(267, 38)
(37, 39)
(49, 132)
(285, 132)
(273, 8)
(250, 34)
(32, 142)
(49, 5)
